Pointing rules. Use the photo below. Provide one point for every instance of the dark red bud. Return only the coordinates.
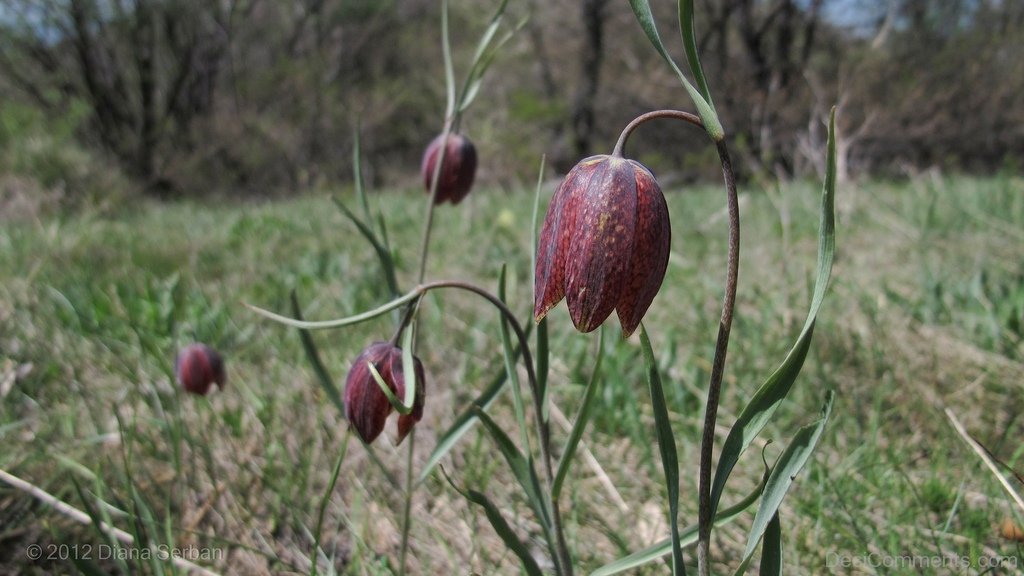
(366, 406)
(457, 169)
(604, 244)
(198, 367)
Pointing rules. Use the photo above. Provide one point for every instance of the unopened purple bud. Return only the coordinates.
(198, 367)
(366, 406)
(457, 169)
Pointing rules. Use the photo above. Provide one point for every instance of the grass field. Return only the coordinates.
(925, 313)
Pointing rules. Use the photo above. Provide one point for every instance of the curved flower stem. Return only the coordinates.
(677, 114)
(543, 432)
(704, 519)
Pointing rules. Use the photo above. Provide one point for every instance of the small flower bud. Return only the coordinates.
(366, 406)
(198, 367)
(457, 169)
(604, 244)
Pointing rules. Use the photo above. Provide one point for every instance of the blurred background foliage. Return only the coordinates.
(261, 97)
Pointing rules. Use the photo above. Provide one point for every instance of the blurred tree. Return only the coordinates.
(260, 96)
(147, 68)
(591, 56)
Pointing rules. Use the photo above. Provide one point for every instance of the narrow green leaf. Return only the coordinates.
(713, 126)
(397, 403)
(313, 355)
(338, 323)
(501, 526)
(510, 365)
(409, 365)
(146, 530)
(522, 468)
(689, 34)
(580, 424)
(542, 326)
(357, 173)
(466, 420)
(475, 78)
(387, 264)
(323, 507)
(687, 537)
(483, 46)
(766, 400)
(449, 70)
(472, 89)
(542, 368)
(771, 549)
(100, 517)
(786, 468)
(644, 16)
(667, 446)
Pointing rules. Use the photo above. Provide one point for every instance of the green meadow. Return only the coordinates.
(924, 319)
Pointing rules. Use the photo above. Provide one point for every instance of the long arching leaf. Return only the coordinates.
(766, 400)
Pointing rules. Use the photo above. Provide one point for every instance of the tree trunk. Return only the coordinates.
(590, 69)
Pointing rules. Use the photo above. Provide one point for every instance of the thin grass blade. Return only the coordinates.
(357, 173)
(582, 417)
(387, 263)
(313, 560)
(100, 518)
(501, 526)
(510, 365)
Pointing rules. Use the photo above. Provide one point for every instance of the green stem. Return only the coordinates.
(428, 221)
(407, 511)
(704, 518)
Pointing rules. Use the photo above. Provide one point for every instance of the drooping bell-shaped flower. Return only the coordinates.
(366, 406)
(457, 169)
(604, 244)
(198, 367)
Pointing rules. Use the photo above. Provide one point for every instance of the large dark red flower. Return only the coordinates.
(604, 245)
(198, 367)
(457, 169)
(366, 406)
